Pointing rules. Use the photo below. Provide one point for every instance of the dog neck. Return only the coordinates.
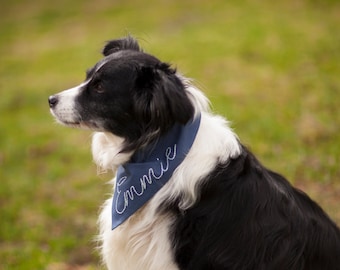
(149, 169)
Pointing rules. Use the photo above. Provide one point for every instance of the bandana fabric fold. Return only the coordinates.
(150, 169)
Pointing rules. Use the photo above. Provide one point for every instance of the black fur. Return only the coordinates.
(127, 43)
(143, 96)
(250, 218)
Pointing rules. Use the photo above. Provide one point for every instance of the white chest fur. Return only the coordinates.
(142, 242)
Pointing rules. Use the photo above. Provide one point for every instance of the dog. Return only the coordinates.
(187, 193)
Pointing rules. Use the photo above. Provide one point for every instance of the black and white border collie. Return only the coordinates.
(220, 209)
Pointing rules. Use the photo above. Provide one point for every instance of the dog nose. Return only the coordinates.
(52, 101)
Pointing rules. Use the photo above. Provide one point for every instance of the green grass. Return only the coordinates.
(271, 68)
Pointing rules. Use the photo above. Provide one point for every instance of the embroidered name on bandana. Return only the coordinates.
(150, 169)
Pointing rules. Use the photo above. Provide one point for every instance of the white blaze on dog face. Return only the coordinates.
(65, 110)
(63, 105)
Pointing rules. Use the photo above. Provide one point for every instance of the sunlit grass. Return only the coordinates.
(271, 68)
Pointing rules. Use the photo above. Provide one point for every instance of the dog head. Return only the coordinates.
(129, 93)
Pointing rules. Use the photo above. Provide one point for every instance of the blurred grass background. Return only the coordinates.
(272, 68)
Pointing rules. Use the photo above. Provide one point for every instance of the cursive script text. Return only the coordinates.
(129, 193)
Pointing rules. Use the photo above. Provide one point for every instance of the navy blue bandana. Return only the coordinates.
(150, 169)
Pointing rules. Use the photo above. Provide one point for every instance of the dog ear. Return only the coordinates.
(128, 43)
(161, 98)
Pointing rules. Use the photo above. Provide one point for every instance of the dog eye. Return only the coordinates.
(99, 88)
